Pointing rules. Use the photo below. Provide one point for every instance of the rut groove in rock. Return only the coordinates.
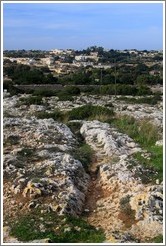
(39, 166)
(111, 181)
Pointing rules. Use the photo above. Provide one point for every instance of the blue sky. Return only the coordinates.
(80, 25)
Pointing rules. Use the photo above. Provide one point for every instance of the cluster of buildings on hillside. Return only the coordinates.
(60, 61)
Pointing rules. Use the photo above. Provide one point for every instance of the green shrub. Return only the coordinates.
(28, 152)
(56, 115)
(124, 204)
(64, 97)
(31, 100)
(13, 139)
(90, 112)
(44, 93)
(158, 239)
(90, 90)
(71, 90)
(143, 90)
(127, 214)
(68, 92)
(84, 154)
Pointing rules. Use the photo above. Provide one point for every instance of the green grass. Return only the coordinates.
(154, 164)
(142, 132)
(157, 239)
(157, 158)
(27, 228)
(145, 134)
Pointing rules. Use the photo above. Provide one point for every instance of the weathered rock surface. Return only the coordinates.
(139, 111)
(124, 204)
(40, 171)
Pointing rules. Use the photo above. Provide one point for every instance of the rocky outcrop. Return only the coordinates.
(41, 172)
(124, 205)
(38, 162)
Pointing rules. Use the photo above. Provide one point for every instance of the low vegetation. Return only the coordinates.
(157, 239)
(127, 215)
(84, 154)
(58, 229)
(145, 134)
(75, 128)
(86, 112)
(154, 164)
(152, 100)
(56, 115)
(90, 112)
(31, 100)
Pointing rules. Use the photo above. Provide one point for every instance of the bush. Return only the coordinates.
(13, 139)
(158, 239)
(44, 93)
(143, 90)
(84, 154)
(90, 112)
(64, 97)
(90, 90)
(71, 90)
(67, 93)
(32, 100)
(56, 115)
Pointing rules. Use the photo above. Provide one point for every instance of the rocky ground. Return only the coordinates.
(120, 192)
(40, 170)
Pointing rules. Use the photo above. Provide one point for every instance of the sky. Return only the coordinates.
(48, 26)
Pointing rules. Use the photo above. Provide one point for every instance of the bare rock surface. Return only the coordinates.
(39, 169)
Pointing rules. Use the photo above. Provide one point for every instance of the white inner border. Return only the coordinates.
(87, 2)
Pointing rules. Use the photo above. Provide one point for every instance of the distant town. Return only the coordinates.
(60, 61)
(91, 68)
